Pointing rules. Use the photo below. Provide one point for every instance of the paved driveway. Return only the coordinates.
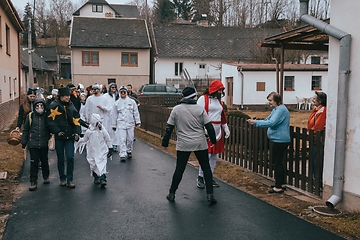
(133, 206)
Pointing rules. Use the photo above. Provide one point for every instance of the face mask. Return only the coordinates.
(39, 109)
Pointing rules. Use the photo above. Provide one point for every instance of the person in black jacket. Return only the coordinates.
(64, 122)
(74, 97)
(26, 107)
(35, 136)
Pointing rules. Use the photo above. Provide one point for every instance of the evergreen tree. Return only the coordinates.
(28, 15)
(183, 9)
(164, 11)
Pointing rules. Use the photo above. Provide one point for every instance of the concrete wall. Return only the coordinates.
(110, 67)
(165, 68)
(9, 62)
(8, 112)
(344, 16)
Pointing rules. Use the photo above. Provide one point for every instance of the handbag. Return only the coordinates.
(51, 143)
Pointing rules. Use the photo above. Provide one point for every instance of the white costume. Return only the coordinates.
(107, 117)
(91, 107)
(124, 116)
(97, 145)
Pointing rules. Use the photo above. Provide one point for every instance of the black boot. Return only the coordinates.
(171, 197)
(96, 178)
(103, 180)
(211, 199)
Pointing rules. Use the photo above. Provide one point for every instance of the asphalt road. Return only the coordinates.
(133, 206)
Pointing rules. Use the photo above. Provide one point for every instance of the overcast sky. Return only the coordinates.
(20, 4)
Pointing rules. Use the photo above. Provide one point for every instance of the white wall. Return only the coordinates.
(165, 68)
(302, 84)
(86, 11)
(344, 16)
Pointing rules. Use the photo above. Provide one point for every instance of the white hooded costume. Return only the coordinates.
(97, 145)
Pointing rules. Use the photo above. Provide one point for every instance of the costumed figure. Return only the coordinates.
(98, 149)
(96, 103)
(112, 95)
(124, 117)
(211, 101)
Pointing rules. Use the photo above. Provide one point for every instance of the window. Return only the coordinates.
(97, 8)
(178, 69)
(315, 60)
(316, 83)
(90, 58)
(111, 80)
(129, 59)
(289, 83)
(260, 86)
(7, 40)
(171, 89)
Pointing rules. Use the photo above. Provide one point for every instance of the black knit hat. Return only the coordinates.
(189, 92)
(64, 91)
(70, 85)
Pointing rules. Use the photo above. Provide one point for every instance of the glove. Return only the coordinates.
(138, 125)
(61, 134)
(81, 135)
(114, 128)
(227, 131)
(98, 124)
(23, 146)
(76, 137)
(109, 154)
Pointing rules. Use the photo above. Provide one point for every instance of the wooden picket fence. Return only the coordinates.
(250, 148)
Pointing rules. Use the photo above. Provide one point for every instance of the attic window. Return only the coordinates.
(97, 8)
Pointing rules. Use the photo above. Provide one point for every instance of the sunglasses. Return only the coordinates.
(123, 92)
(113, 87)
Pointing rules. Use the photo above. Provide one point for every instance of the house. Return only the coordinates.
(109, 45)
(10, 85)
(202, 49)
(42, 72)
(249, 84)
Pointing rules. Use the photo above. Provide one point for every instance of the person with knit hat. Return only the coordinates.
(26, 107)
(190, 119)
(64, 122)
(51, 98)
(125, 117)
(74, 97)
(211, 102)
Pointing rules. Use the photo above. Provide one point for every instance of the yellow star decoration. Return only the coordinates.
(54, 112)
(76, 121)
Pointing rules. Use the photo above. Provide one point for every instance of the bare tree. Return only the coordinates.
(42, 16)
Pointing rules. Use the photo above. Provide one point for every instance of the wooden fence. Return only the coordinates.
(250, 148)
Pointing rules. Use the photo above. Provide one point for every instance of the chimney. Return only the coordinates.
(203, 21)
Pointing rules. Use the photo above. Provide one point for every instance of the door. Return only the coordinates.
(229, 91)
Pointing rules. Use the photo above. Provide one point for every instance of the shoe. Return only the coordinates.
(96, 180)
(171, 197)
(114, 148)
(129, 155)
(283, 188)
(46, 180)
(33, 186)
(200, 182)
(215, 184)
(103, 182)
(211, 199)
(122, 159)
(272, 190)
(62, 183)
(71, 185)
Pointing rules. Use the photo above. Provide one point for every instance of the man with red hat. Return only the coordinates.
(211, 101)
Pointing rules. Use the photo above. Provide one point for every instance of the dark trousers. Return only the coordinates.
(278, 151)
(65, 147)
(182, 158)
(36, 155)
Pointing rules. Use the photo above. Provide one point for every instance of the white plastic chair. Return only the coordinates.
(300, 101)
(308, 103)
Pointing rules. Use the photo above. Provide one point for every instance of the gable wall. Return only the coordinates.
(86, 11)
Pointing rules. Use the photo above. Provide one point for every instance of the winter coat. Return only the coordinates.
(36, 133)
(63, 117)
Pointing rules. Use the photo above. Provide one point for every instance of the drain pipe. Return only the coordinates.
(342, 102)
(242, 88)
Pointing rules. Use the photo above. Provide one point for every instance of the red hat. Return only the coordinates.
(215, 86)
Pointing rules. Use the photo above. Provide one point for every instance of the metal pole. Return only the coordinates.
(31, 77)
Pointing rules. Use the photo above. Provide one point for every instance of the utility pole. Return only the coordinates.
(31, 77)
